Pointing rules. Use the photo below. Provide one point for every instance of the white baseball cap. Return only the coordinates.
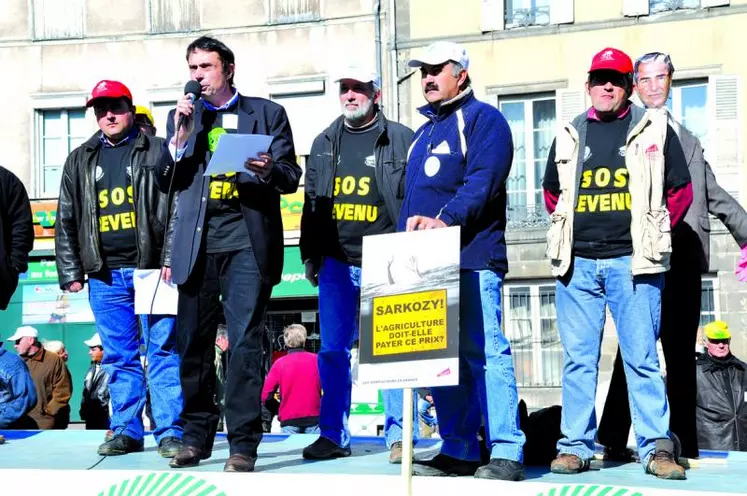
(24, 332)
(441, 52)
(94, 341)
(362, 74)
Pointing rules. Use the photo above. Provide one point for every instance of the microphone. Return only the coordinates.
(193, 90)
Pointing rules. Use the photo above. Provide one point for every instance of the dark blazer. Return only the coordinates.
(260, 200)
(16, 233)
(708, 198)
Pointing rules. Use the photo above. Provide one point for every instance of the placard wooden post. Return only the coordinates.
(407, 427)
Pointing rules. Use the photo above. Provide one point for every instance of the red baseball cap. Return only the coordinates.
(109, 89)
(612, 59)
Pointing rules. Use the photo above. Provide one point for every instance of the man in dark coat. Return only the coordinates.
(16, 233)
(228, 249)
(721, 404)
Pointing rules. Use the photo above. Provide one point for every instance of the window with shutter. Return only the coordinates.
(57, 19)
(714, 3)
(723, 148)
(173, 16)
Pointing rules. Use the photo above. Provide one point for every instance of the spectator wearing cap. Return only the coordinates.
(111, 220)
(354, 187)
(144, 120)
(94, 404)
(456, 176)
(721, 403)
(616, 182)
(680, 306)
(51, 379)
(17, 393)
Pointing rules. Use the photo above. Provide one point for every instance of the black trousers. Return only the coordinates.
(680, 318)
(235, 278)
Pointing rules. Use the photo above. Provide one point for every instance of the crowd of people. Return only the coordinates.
(627, 188)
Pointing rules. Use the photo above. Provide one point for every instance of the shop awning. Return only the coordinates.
(293, 283)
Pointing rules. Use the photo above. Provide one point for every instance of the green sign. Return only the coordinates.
(44, 271)
(293, 283)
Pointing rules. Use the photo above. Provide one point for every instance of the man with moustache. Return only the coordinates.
(111, 220)
(680, 305)
(228, 250)
(456, 176)
(616, 182)
(354, 187)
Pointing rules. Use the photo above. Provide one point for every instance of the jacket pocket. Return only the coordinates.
(555, 235)
(657, 236)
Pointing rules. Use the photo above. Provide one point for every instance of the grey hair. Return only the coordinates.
(54, 346)
(294, 336)
(651, 57)
(456, 69)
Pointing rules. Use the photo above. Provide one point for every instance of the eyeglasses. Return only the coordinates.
(600, 78)
(719, 341)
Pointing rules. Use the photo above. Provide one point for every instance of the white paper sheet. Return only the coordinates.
(146, 284)
(234, 150)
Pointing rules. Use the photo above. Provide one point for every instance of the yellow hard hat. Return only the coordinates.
(718, 329)
(140, 110)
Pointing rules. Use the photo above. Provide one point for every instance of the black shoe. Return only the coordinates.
(623, 455)
(240, 463)
(324, 449)
(501, 469)
(444, 466)
(120, 445)
(189, 456)
(169, 447)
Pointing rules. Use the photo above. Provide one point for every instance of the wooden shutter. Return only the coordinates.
(569, 103)
(493, 15)
(561, 12)
(634, 8)
(723, 150)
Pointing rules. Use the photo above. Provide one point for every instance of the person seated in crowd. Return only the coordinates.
(94, 405)
(17, 393)
(297, 376)
(721, 404)
(51, 378)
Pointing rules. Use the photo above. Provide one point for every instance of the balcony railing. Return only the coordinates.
(523, 18)
(527, 217)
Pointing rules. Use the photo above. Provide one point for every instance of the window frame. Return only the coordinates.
(533, 187)
(676, 107)
(713, 281)
(538, 378)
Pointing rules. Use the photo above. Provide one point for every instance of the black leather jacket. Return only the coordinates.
(318, 226)
(77, 244)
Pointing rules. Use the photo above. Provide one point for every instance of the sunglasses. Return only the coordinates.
(719, 341)
(600, 78)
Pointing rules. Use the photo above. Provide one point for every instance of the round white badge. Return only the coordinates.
(99, 173)
(432, 165)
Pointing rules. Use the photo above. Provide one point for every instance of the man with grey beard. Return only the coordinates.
(355, 179)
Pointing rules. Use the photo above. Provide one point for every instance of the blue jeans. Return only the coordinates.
(487, 385)
(424, 413)
(112, 299)
(293, 429)
(394, 402)
(339, 306)
(635, 304)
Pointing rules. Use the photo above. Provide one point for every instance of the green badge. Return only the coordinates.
(213, 138)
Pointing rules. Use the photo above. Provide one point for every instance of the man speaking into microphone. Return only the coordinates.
(227, 249)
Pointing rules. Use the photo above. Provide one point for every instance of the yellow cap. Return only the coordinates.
(140, 110)
(718, 329)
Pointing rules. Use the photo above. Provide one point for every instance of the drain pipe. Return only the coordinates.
(377, 36)
(391, 19)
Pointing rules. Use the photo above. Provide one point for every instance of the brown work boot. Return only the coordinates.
(240, 463)
(2, 439)
(395, 452)
(189, 456)
(565, 463)
(663, 466)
